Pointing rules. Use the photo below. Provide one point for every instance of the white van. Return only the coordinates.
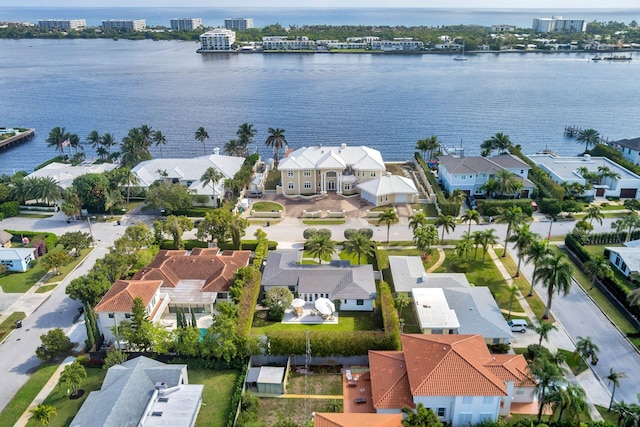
(518, 325)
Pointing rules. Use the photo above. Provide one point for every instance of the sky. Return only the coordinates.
(474, 4)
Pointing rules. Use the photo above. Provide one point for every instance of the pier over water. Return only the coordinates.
(20, 136)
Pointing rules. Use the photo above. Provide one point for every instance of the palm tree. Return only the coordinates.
(417, 221)
(594, 212)
(75, 143)
(471, 215)
(107, 141)
(588, 137)
(489, 238)
(388, 217)
(135, 147)
(320, 245)
(160, 140)
(513, 294)
(586, 348)
(447, 222)
(458, 196)
(490, 187)
(506, 182)
(72, 376)
(614, 379)
(58, 138)
(630, 222)
(428, 145)
(401, 301)
(597, 267)
(211, 176)
(202, 135)
(499, 141)
(277, 140)
(93, 139)
(477, 241)
(421, 417)
(112, 199)
(522, 239)
(48, 190)
(547, 372)
(424, 237)
(569, 400)
(127, 178)
(245, 133)
(233, 148)
(43, 413)
(463, 247)
(556, 275)
(512, 217)
(543, 329)
(360, 245)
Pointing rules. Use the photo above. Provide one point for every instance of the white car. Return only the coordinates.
(518, 325)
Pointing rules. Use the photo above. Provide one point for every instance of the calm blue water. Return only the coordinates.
(383, 101)
(309, 16)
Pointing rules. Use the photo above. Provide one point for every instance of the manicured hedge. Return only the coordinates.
(192, 212)
(50, 239)
(494, 207)
(328, 343)
(446, 207)
(247, 302)
(389, 315)
(547, 188)
(248, 245)
(9, 209)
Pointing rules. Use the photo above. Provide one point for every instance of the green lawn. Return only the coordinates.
(603, 302)
(307, 256)
(535, 302)
(66, 408)
(216, 397)
(66, 269)
(610, 417)
(430, 210)
(411, 325)
(575, 362)
(13, 282)
(353, 258)
(486, 274)
(272, 180)
(9, 324)
(266, 206)
(347, 321)
(46, 288)
(25, 395)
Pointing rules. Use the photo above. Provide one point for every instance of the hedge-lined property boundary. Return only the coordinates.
(547, 188)
(50, 239)
(446, 207)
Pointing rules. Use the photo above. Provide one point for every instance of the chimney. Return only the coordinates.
(216, 151)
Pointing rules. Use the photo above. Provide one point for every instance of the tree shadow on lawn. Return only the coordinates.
(62, 317)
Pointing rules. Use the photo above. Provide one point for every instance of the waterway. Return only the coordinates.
(383, 101)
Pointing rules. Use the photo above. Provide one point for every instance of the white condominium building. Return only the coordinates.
(238, 23)
(186, 23)
(62, 24)
(219, 39)
(282, 43)
(559, 25)
(127, 24)
(400, 45)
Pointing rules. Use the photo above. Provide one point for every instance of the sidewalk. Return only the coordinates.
(46, 390)
(596, 393)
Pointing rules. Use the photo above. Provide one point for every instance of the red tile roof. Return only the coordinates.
(121, 295)
(442, 365)
(324, 419)
(214, 268)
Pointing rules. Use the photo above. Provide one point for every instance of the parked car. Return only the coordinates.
(518, 325)
(471, 202)
(254, 194)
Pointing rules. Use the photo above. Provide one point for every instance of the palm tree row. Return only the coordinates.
(41, 189)
(135, 146)
(102, 144)
(500, 142)
(428, 146)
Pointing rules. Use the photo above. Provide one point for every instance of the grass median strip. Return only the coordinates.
(21, 401)
(9, 324)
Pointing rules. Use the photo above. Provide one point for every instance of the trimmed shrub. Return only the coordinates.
(9, 209)
(389, 315)
(493, 207)
(50, 239)
(328, 343)
(550, 206)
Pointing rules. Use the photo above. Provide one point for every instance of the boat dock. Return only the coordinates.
(574, 131)
(21, 135)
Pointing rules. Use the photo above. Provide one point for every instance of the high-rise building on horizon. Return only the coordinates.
(127, 24)
(186, 23)
(219, 39)
(62, 24)
(557, 24)
(240, 24)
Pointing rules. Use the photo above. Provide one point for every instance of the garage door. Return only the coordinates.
(401, 198)
(628, 193)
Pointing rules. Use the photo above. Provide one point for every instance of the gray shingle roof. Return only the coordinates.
(5, 237)
(477, 312)
(338, 280)
(125, 393)
(634, 143)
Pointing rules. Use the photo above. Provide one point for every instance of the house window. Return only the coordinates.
(479, 191)
(307, 172)
(519, 391)
(487, 400)
(467, 400)
(127, 315)
(485, 417)
(465, 419)
(290, 174)
(437, 331)
(617, 261)
(470, 176)
(290, 186)
(112, 315)
(521, 171)
(307, 185)
(372, 174)
(464, 176)
(347, 186)
(623, 267)
(441, 412)
(359, 302)
(496, 340)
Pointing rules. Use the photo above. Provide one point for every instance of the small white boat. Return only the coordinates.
(460, 57)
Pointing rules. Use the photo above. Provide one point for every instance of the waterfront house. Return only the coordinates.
(455, 375)
(469, 174)
(615, 181)
(625, 258)
(188, 172)
(318, 170)
(352, 285)
(630, 149)
(401, 44)
(142, 392)
(64, 173)
(16, 259)
(388, 189)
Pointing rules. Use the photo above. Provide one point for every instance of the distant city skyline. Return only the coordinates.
(472, 4)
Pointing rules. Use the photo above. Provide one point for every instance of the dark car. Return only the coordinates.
(254, 194)
(471, 202)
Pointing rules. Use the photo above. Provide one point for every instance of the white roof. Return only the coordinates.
(433, 310)
(629, 255)
(565, 168)
(388, 184)
(319, 157)
(64, 174)
(408, 273)
(191, 169)
(15, 254)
